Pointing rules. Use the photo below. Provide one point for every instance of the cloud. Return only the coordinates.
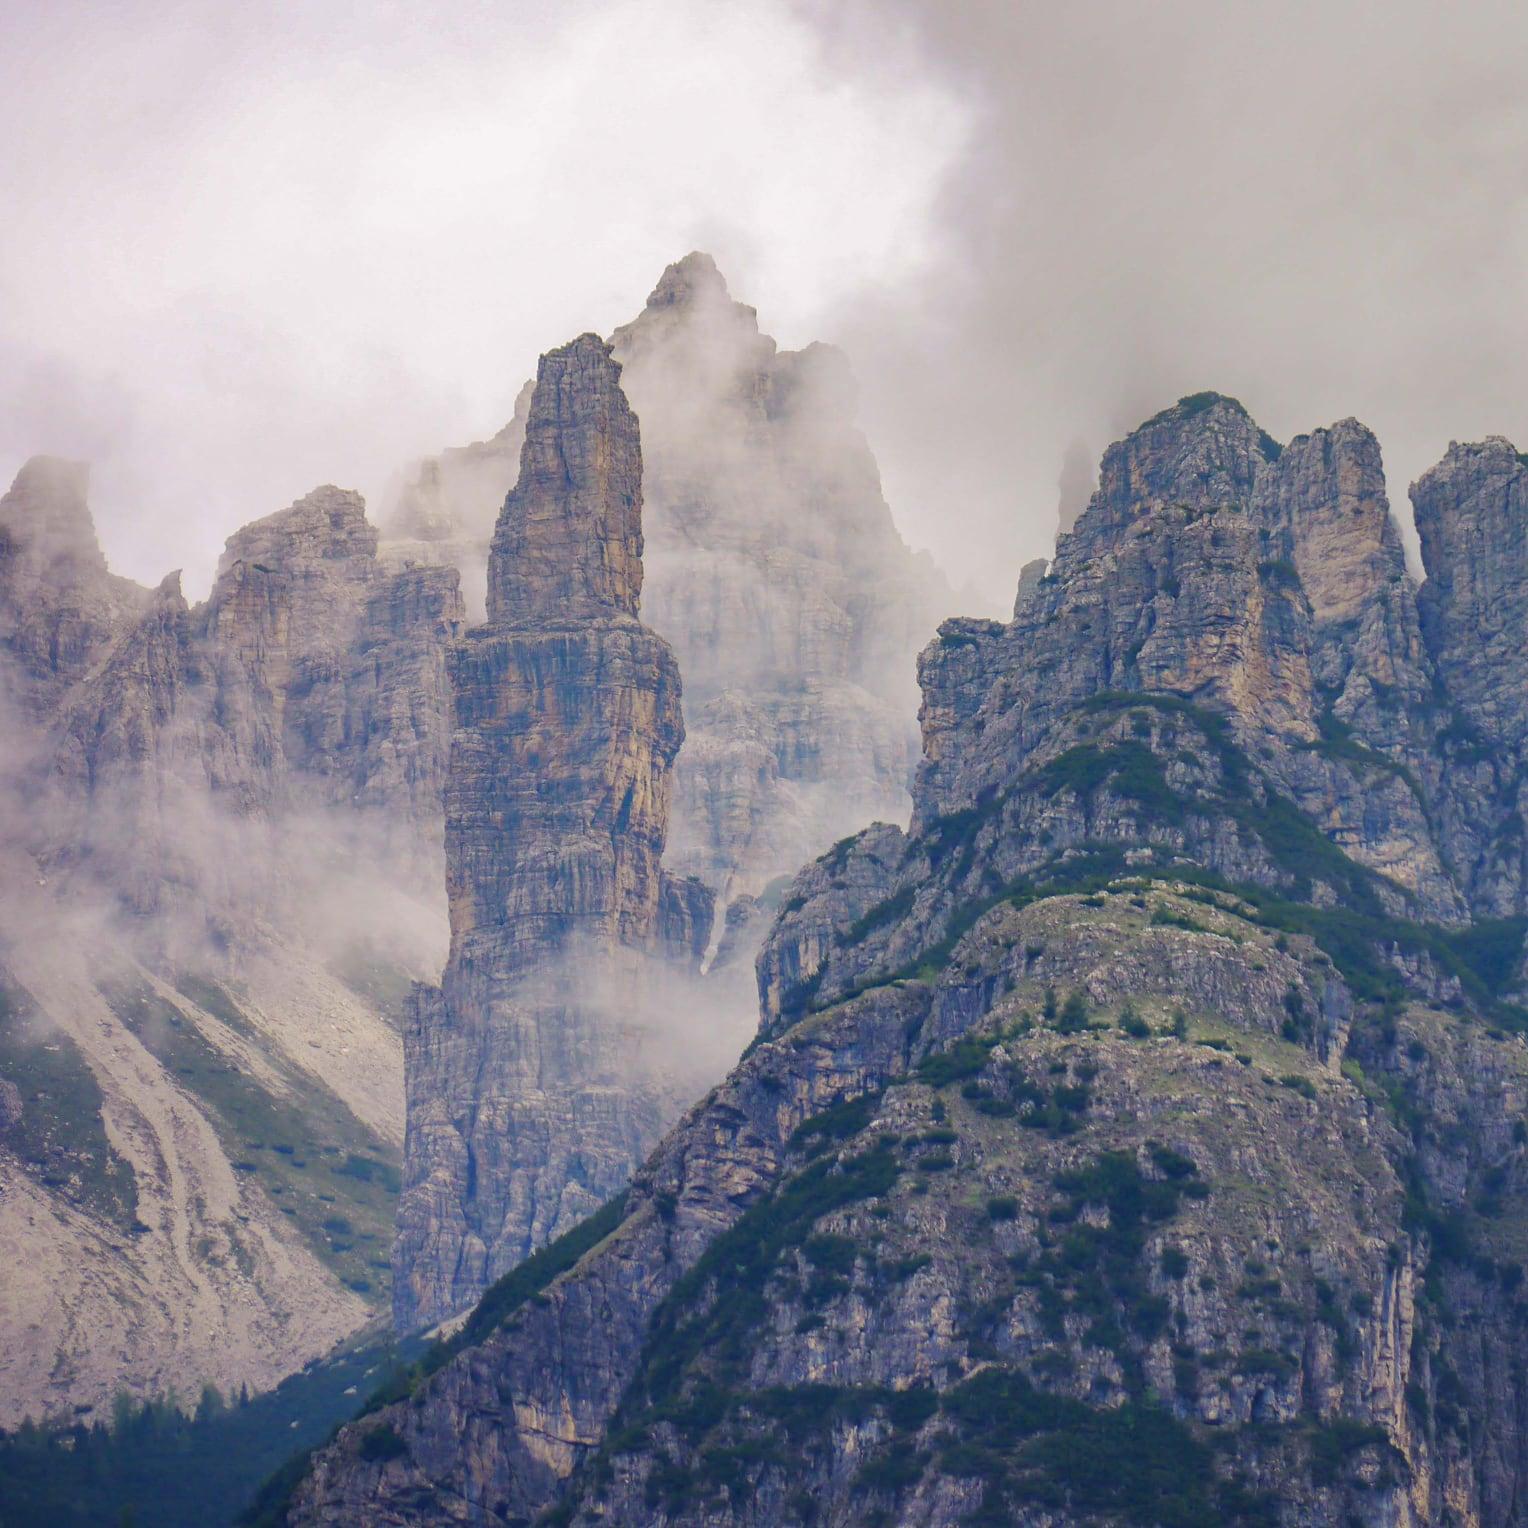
(253, 249)
(1320, 208)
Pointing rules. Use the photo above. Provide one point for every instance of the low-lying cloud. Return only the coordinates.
(252, 250)
(248, 251)
(1319, 208)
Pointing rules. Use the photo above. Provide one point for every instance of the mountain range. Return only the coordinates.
(544, 921)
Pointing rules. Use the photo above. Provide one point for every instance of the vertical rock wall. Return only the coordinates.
(539, 1073)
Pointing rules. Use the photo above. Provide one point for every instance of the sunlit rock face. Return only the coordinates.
(551, 1057)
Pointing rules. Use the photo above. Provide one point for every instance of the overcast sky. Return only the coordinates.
(248, 249)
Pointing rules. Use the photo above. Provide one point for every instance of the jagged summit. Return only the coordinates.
(200, 791)
(1195, 403)
(693, 279)
(59, 605)
(327, 524)
(530, 1090)
(569, 539)
(1137, 1138)
(1204, 451)
(691, 341)
(1472, 518)
(46, 513)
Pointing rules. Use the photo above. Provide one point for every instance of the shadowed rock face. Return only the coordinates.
(218, 828)
(535, 1076)
(59, 606)
(1147, 1112)
(1472, 517)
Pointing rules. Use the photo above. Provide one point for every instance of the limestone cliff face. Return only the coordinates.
(1134, 1139)
(1185, 574)
(1472, 517)
(794, 611)
(216, 826)
(773, 570)
(1469, 514)
(310, 689)
(346, 657)
(1325, 510)
(59, 606)
(535, 1076)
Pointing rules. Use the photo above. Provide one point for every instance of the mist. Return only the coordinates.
(1318, 209)
(249, 252)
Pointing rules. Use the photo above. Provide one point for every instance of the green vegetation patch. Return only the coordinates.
(716, 1308)
(333, 1177)
(60, 1139)
(1483, 956)
(159, 1463)
(1129, 768)
(501, 1300)
(1135, 1462)
(1338, 743)
(1097, 1271)
(694, 1364)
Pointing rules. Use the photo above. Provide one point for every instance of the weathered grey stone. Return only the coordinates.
(236, 805)
(59, 606)
(531, 1091)
(1214, 708)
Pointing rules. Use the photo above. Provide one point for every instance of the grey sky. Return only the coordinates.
(249, 249)
(1319, 208)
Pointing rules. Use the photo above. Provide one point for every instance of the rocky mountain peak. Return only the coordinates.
(1323, 500)
(329, 524)
(1472, 518)
(292, 582)
(692, 281)
(815, 386)
(692, 344)
(534, 1076)
(59, 606)
(1204, 452)
(1159, 1090)
(45, 517)
(569, 539)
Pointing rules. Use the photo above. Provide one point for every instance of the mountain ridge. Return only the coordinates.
(1102, 1153)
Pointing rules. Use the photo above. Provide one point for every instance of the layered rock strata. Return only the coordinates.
(773, 570)
(546, 1064)
(1134, 1139)
(220, 831)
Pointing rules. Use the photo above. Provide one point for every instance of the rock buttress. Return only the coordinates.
(537, 1075)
